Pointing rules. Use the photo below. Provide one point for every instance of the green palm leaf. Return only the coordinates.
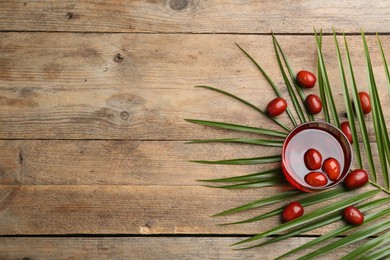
(359, 114)
(348, 106)
(244, 161)
(256, 184)
(326, 84)
(325, 221)
(307, 201)
(263, 142)
(285, 127)
(292, 77)
(235, 127)
(322, 212)
(376, 242)
(290, 90)
(384, 64)
(378, 119)
(261, 202)
(321, 85)
(250, 177)
(356, 236)
(377, 254)
(338, 231)
(272, 84)
(328, 214)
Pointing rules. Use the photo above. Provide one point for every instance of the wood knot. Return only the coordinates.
(178, 4)
(118, 58)
(70, 15)
(124, 115)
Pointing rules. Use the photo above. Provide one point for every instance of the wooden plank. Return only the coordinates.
(42, 162)
(195, 16)
(75, 86)
(148, 248)
(131, 210)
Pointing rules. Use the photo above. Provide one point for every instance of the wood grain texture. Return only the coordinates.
(195, 16)
(140, 86)
(129, 209)
(102, 162)
(148, 248)
(42, 162)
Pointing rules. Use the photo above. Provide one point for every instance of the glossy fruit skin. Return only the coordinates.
(332, 168)
(353, 216)
(276, 107)
(347, 131)
(313, 104)
(356, 179)
(365, 102)
(312, 159)
(292, 211)
(306, 79)
(316, 179)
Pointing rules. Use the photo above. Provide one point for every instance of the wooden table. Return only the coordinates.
(93, 96)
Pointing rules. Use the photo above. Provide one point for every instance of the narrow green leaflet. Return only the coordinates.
(276, 172)
(256, 184)
(321, 85)
(325, 221)
(244, 161)
(359, 114)
(326, 84)
(262, 202)
(307, 201)
(272, 84)
(338, 231)
(290, 90)
(292, 77)
(356, 236)
(378, 119)
(374, 243)
(322, 212)
(384, 64)
(263, 142)
(284, 126)
(348, 105)
(380, 253)
(241, 128)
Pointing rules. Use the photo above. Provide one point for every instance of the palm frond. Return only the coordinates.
(270, 81)
(359, 114)
(250, 177)
(356, 236)
(235, 127)
(384, 63)
(284, 126)
(290, 90)
(261, 202)
(326, 84)
(314, 215)
(348, 106)
(382, 139)
(244, 161)
(321, 86)
(374, 243)
(263, 142)
(338, 231)
(292, 77)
